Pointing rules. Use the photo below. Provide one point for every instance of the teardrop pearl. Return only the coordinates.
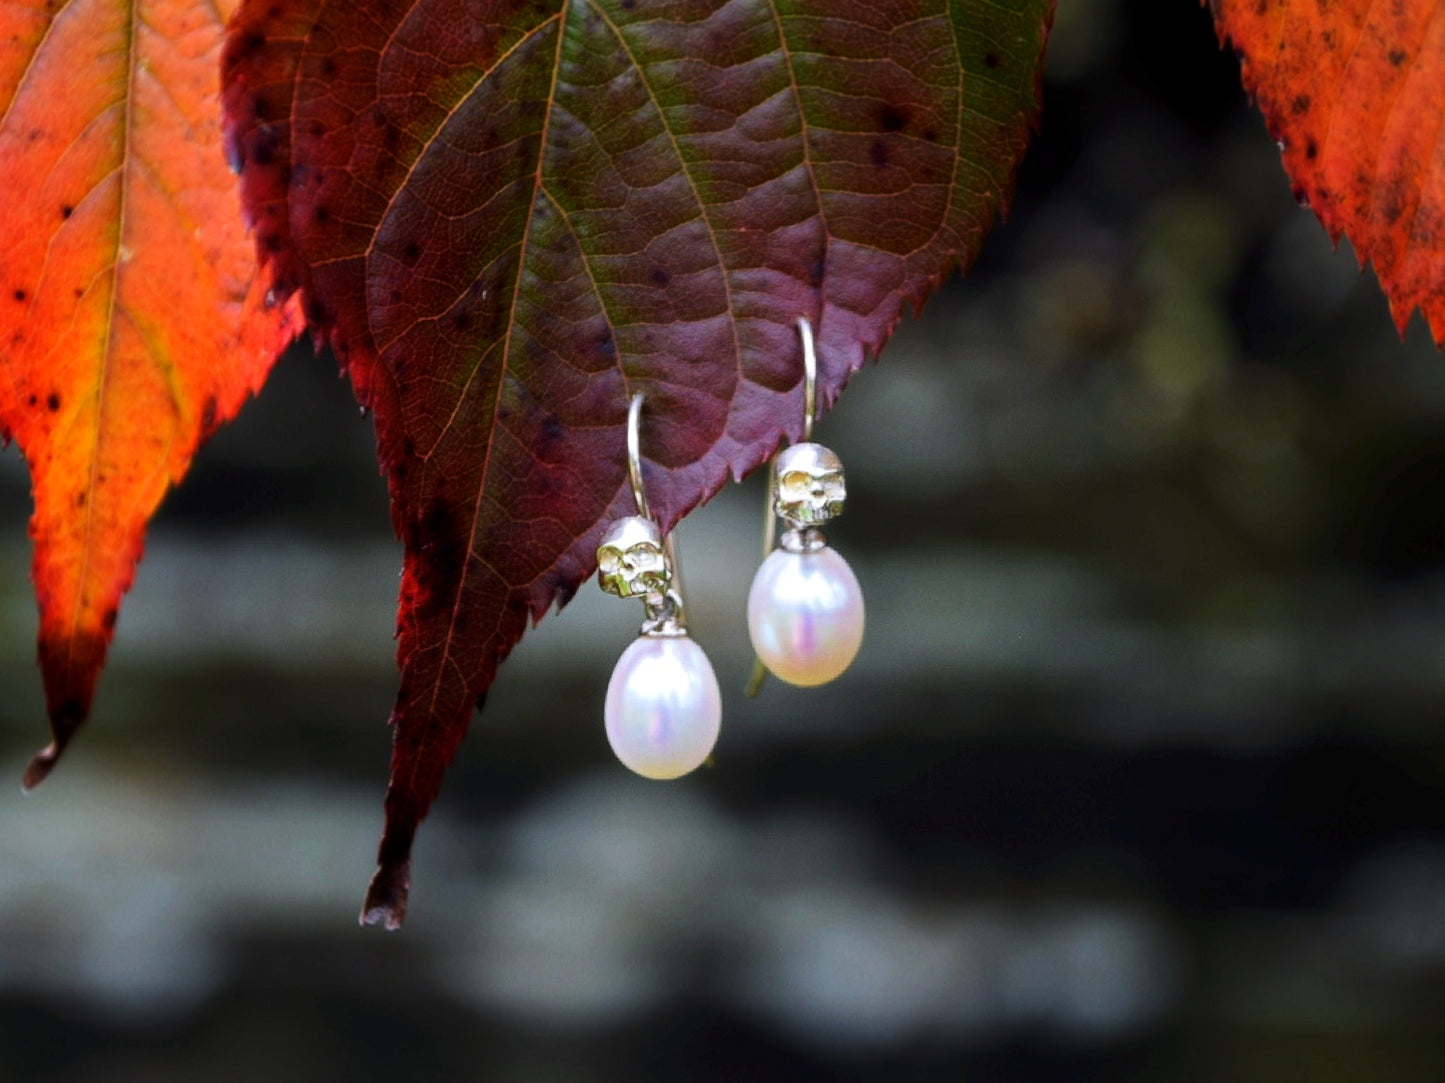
(805, 615)
(663, 706)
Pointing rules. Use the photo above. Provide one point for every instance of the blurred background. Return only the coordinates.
(1140, 775)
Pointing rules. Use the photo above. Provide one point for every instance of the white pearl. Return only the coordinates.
(663, 706)
(805, 615)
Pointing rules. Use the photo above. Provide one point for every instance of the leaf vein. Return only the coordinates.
(502, 363)
(692, 184)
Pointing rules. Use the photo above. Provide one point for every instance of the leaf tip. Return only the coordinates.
(68, 695)
(39, 768)
(386, 896)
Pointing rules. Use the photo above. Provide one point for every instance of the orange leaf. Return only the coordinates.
(1355, 92)
(131, 318)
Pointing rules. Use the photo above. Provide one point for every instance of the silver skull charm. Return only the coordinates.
(810, 485)
(631, 562)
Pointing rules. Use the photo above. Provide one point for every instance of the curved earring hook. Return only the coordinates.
(810, 378)
(668, 616)
(634, 455)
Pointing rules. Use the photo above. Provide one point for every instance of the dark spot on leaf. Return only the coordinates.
(52, 402)
(79, 292)
(81, 498)
(260, 110)
(878, 153)
(263, 150)
(606, 346)
(108, 619)
(992, 60)
(891, 118)
(317, 129)
(1300, 105)
(251, 44)
(20, 295)
(440, 549)
(328, 68)
(66, 210)
(660, 277)
(411, 253)
(463, 321)
(1392, 195)
(931, 135)
(33, 400)
(322, 214)
(1397, 57)
(1312, 150)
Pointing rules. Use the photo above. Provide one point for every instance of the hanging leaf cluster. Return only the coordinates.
(506, 219)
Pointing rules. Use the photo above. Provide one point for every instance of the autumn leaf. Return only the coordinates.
(131, 318)
(1355, 93)
(510, 217)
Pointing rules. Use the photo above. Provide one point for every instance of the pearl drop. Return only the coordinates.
(663, 706)
(805, 615)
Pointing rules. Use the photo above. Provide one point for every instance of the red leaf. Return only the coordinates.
(132, 317)
(1355, 92)
(508, 219)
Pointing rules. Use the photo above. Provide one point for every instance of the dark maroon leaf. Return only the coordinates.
(510, 217)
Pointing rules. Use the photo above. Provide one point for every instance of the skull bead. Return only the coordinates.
(810, 487)
(631, 562)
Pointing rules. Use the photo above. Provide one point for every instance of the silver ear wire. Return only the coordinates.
(810, 378)
(634, 454)
(623, 566)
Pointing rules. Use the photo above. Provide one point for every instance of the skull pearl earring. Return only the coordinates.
(805, 608)
(663, 704)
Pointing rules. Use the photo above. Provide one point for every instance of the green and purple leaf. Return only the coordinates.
(507, 218)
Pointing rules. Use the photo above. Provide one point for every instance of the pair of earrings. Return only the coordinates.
(805, 608)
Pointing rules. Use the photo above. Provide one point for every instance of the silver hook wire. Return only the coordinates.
(810, 378)
(634, 455)
(666, 615)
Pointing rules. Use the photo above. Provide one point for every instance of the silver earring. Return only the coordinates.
(805, 608)
(663, 706)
